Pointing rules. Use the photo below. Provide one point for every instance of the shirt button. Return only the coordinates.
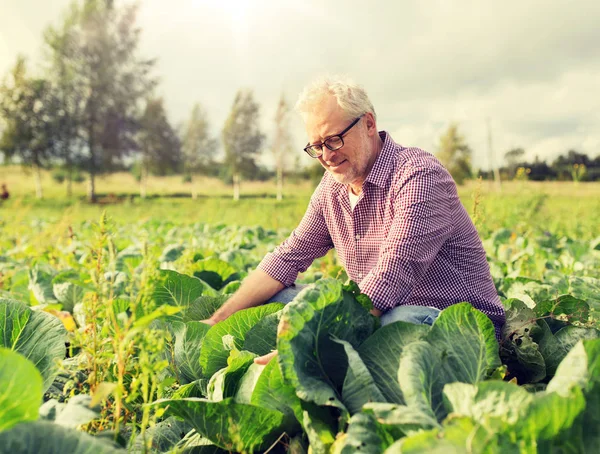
(357, 236)
(360, 275)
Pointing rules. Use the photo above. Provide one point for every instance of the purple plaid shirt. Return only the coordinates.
(408, 241)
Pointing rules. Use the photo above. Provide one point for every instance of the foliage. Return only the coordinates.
(455, 154)
(160, 148)
(100, 82)
(242, 139)
(340, 380)
(198, 146)
(27, 109)
(282, 143)
(570, 166)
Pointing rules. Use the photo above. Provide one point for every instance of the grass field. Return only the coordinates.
(564, 208)
(127, 294)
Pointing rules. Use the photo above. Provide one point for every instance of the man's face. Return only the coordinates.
(351, 163)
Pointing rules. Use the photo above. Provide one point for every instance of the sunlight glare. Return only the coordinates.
(235, 10)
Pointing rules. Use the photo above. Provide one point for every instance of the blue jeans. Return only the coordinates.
(419, 315)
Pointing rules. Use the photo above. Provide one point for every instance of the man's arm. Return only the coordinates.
(421, 225)
(280, 268)
(257, 288)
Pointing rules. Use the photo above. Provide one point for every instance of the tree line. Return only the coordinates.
(456, 155)
(569, 166)
(95, 111)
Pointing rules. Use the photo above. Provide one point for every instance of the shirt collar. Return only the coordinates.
(381, 170)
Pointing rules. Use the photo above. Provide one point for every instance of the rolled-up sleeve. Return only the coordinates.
(309, 241)
(421, 224)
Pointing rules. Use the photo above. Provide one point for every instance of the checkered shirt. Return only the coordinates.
(408, 241)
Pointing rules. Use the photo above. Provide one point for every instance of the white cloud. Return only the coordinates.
(531, 66)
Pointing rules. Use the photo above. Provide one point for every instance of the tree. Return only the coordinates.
(455, 154)
(282, 143)
(198, 146)
(513, 157)
(60, 45)
(242, 139)
(160, 148)
(26, 105)
(573, 165)
(97, 46)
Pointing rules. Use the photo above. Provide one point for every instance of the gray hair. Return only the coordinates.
(351, 97)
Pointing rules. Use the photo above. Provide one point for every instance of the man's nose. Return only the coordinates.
(328, 155)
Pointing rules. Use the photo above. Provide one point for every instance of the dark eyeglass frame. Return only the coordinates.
(310, 149)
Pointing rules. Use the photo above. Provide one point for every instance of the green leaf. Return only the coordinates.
(319, 425)
(496, 405)
(365, 435)
(270, 391)
(231, 287)
(129, 258)
(422, 379)
(460, 347)
(21, 389)
(311, 362)
(77, 411)
(262, 337)
(359, 386)
(568, 336)
(214, 354)
(225, 382)
(215, 272)
(527, 290)
(186, 351)
(40, 283)
(38, 336)
(519, 349)
(160, 312)
(248, 382)
(510, 411)
(586, 288)
(458, 435)
(165, 435)
(197, 388)
(400, 420)
(19, 285)
(68, 294)
(171, 253)
(177, 289)
(203, 307)
(581, 367)
(43, 437)
(229, 425)
(549, 348)
(574, 309)
(364, 300)
(550, 413)
(466, 340)
(381, 354)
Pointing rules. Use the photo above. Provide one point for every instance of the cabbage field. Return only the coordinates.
(102, 350)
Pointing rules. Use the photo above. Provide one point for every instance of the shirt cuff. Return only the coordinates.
(382, 294)
(278, 269)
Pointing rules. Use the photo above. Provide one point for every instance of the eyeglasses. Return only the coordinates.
(332, 143)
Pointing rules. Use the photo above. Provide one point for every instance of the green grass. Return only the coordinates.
(563, 208)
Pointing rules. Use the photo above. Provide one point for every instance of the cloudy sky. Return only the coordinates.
(532, 67)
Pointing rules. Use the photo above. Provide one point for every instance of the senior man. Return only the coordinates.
(392, 213)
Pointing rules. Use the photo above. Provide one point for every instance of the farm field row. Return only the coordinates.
(102, 349)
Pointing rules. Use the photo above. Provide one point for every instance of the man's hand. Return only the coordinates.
(257, 288)
(208, 321)
(376, 312)
(264, 360)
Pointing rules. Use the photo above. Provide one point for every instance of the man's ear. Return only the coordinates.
(370, 122)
